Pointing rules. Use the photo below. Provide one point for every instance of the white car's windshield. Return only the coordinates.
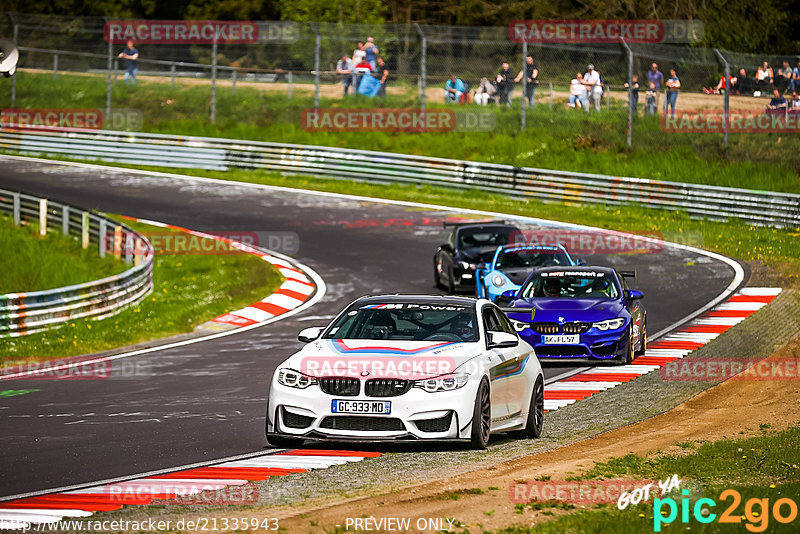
(579, 285)
(406, 322)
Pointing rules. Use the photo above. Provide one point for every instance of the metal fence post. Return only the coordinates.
(101, 238)
(16, 209)
(172, 75)
(214, 80)
(524, 84)
(289, 90)
(423, 66)
(85, 229)
(233, 82)
(631, 109)
(317, 44)
(14, 78)
(128, 247)
(65, 219)
(551, 95)
(726, 117)
(109, 67)
(42, 216)
(117, 242)
(55, 66)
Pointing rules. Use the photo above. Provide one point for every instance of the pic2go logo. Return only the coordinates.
(756, 511)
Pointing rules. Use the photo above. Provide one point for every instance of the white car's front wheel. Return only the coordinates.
(481, 417)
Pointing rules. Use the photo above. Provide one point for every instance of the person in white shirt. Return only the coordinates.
(594, 87)
(359, 54)
(577, 93)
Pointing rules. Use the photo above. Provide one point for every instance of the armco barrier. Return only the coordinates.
(25, 313)
(755, 207)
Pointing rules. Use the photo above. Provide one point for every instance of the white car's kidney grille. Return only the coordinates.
(386, 387)
(343, 387)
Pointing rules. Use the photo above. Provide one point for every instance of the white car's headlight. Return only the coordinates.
(609, 324)
(519, 326)
(295, 379)
(448, 383)
(499, 280)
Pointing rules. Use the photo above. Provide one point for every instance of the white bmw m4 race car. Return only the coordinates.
(408, 368)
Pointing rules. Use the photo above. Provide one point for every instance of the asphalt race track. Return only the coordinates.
(207, 400)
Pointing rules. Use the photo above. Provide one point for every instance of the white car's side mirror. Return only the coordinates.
(500, 340)
(310, 334)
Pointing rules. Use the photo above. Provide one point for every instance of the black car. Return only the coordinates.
(469, 245)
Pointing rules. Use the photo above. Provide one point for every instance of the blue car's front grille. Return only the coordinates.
(566, 328)
(545, 328)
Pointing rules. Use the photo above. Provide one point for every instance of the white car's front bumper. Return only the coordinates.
(415, 415)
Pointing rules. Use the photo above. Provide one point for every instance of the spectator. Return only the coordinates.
(131, 57)
(383, 73)
(744, 84)
(361, 69)
(505, 84)
(654, 75)
(795, 103)
(784, 78)
(651, 98)
(453, 90)
(371, 52)
(721, 86)
(484, 92)
(634, 92)
(359, 53)
(764, 79)
(531, 73)
(345, 68)
(796, 77)
(673, 84)
(777, 101)
(594, 85)
(578, 95)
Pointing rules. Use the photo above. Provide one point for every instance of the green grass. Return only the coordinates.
(760, 467)
(556, 139)
(188, 290)
(30, 262)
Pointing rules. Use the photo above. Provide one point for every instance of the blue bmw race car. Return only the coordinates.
(512, 264)
(583, 314)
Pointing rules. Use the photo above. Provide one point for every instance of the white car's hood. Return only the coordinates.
(411, 360)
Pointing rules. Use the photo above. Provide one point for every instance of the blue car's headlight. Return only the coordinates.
(609, 324)
(448, 383)
(295, 379)
(499, 280)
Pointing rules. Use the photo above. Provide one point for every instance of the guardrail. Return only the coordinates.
(755, 207)
(29, 312)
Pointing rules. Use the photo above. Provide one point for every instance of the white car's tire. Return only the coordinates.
(481, 417)
(535, 421)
